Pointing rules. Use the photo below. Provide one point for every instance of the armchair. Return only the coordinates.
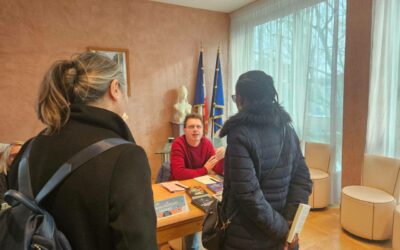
(367, 210)
(318, 159)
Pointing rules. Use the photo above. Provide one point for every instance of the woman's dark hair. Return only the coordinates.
(258, 94)
(255, 87)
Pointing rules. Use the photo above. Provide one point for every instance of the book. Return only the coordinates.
(170, 206)
(206, 179)
(216, 188)
(202, 201)
(174, 186)
(298, 221)
(218, 196)
(195, 191)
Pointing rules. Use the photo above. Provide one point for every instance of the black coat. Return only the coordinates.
(266, 198)
(108, 202)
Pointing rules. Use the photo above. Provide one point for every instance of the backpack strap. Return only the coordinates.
(67, 168)
(24, 177)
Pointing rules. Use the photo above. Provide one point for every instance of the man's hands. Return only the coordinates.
(211, 163)
(219, 154)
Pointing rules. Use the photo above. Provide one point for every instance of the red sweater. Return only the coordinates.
(187, 162)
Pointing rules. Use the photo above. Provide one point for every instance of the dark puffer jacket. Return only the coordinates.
(266, 198)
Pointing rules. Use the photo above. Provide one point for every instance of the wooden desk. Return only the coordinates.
(179, 225)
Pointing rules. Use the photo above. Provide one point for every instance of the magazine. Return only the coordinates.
(171, 206)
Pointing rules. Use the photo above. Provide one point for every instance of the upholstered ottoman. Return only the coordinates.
(396, 229)
(321, 190)
(367, 212)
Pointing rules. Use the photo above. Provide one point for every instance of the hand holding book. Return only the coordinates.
(298, 223)
(293, 244)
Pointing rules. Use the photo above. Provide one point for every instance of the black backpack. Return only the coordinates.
(26, 225)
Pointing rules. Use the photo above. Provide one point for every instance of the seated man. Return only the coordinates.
(192, 154)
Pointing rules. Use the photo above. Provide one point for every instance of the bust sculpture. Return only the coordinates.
(181, 107)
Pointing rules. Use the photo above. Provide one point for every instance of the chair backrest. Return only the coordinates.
(382, 173)
(164, 173)
(318, 155)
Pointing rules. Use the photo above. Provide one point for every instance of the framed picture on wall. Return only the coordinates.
(120, 56)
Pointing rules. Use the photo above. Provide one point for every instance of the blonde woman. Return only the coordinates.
(6, 158)
(108, 202)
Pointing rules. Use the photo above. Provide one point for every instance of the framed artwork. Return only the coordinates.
(120, 56)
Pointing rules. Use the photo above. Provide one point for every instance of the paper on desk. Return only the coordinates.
(206, 179)
(172, 186)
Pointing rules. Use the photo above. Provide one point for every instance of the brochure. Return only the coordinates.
(206, 179)
(174, 186)
(171, 206)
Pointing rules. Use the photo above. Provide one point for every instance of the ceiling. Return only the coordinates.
(226, 6)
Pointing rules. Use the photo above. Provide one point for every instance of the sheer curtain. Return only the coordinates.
(383, 132)
(300, 43)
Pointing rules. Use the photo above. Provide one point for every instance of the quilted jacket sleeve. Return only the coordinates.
(300, 184)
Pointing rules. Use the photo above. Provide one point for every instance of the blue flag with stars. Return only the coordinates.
(217, 105)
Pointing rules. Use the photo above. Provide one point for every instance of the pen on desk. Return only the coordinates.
(213, 179)
(182, 186)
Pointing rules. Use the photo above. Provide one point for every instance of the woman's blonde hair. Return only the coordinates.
(81, 80)
(4, 156)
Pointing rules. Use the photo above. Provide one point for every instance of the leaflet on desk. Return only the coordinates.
(170, 206)
(173, 186)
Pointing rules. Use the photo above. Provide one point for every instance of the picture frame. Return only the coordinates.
(120, 56)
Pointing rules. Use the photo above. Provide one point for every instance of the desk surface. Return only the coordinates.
(182, 224)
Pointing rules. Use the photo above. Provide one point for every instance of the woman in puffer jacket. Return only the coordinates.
(266, 176)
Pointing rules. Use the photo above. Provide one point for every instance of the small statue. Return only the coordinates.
(182, 107)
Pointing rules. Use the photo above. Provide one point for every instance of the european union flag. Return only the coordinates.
(217, 106)
(200, 98)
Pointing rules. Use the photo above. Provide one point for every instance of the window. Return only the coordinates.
(301, 44)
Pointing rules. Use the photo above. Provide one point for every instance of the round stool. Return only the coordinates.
(396, 229)
(367, 212)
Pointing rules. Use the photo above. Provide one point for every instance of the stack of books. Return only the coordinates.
(200, 197)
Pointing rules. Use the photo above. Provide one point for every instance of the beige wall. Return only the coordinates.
(163, 42)
(356, 89)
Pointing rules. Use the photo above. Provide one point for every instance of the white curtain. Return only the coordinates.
(300, 43)
(383, 133)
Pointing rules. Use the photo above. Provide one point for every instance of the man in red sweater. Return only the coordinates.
(192, 154)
